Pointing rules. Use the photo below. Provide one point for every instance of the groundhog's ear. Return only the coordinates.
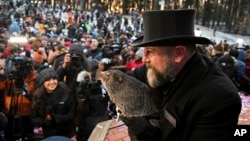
(120, 79)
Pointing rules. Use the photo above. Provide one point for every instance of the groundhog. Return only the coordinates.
(132, 97)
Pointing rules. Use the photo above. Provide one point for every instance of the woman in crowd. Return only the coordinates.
(53, 106)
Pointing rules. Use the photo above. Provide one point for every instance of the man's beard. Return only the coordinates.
(156, 78)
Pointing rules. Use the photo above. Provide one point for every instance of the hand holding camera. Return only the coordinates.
(70, 57)
(66, 60)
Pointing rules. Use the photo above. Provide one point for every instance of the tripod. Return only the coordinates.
(15, 102)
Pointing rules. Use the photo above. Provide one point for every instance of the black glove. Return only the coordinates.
(84, 83)
(49, 116)
(48, 122)
(140, 128)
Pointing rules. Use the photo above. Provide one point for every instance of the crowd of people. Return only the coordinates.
(49, 83)
(49, 60)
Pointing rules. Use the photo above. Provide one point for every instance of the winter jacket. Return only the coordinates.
(201, 104)
(63, 114)
(241, 67)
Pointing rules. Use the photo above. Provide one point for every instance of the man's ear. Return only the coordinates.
(179, 53)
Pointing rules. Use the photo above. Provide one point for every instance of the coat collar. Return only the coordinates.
(195, 69)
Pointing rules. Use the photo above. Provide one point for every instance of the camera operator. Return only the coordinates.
(112, 56)
(74, 62)
(91, 107)
(17, 90)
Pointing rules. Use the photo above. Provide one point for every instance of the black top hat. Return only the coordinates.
(169, 27)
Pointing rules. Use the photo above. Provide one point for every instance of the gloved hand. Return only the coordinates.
(49, 112)
(140, 128)
(48, 122)
(49, 116)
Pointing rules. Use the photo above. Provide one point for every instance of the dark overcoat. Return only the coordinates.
(201, 104)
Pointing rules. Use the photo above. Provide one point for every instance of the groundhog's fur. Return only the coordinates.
(132, 97)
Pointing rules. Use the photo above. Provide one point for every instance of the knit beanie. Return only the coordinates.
(38, 56)
(45, 75)
(94, 42)
(140, 52)
(76, 48)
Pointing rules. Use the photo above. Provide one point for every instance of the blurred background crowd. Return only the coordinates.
(36, 37)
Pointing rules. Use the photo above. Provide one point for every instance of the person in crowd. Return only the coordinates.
(45, 44)
(4, 33)
(137, 62)
(74, 62)
(3, 80)
(226, 62)
(128, 53)
(53, 52)
(58, 60)
(217, 52)
(73, 65)
(4, 43)
(247, 62)
(241, 77)
(101, 42)
(38, 59)
(53, 106)
(2, 60)
(36, 48)
(94, 52)
(18, 91)
(192, 93)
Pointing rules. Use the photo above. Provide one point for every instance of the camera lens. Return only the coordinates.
(74, 56)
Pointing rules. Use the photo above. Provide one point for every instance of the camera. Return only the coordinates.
(19, 67)
(110, 50)
(74, 57)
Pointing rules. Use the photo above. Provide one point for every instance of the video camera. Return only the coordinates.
(110, 50)
(18, 68)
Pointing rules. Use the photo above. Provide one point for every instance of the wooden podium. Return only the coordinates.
(109, 130)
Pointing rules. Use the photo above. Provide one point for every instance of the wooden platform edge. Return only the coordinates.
(100, 131)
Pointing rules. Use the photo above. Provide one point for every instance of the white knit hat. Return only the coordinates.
(95, 42)
(140, 52)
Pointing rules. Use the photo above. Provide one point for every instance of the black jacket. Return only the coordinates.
(202, 104)
(63, 114)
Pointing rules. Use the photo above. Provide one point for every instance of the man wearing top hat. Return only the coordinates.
(197, 101)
